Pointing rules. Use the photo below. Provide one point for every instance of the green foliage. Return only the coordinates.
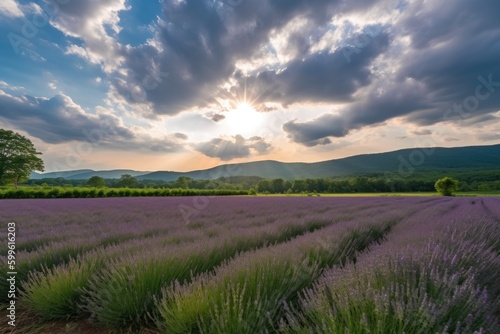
(240, 303)
(182, 182)
(80, 192)
(128, 181)
(18, 157)
(54, 293)
(446, 186)
(96, 181)
(278, 186)
(264, 186)
(470, 181)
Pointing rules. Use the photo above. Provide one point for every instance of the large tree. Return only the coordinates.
(18, 157)
(128, 181)
(96, 181)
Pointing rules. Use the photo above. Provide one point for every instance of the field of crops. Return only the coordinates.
(256, 264)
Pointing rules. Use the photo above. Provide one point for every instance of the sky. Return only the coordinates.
(190, 84)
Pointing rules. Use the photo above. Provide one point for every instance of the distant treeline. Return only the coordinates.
(486, 180)
(360, 184)
(364, 184)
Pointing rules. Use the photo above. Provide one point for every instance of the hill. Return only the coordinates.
(403, 162)
(84, 174)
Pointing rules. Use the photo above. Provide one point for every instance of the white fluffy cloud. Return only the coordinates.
(96, 23)
(10, 8)
(59, 120)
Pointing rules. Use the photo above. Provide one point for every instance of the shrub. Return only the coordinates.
(111, 193)
(446, 186)
(53, 193)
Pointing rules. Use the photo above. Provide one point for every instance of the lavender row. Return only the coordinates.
(246, 237)
(437, 276)
(104, 245)
(41, 221)
(84, 238)
(152, 271)
(246, 295)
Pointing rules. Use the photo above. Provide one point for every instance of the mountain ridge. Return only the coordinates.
(403, 162)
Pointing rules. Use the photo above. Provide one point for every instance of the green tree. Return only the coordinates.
(299, 186)
(263, 186)
(96, 181)
(311, 185)
(278, 186)
(446, 186)
(182, 182)
(18, 157)
(128, 181)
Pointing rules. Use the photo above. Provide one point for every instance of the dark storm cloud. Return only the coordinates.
(436, 22)
(238, 147)
(454, 50)
(449, 73)
(58, 120)
(199, 42)
(371, 109)
(317, 131)
(433, 62)
(321, 77)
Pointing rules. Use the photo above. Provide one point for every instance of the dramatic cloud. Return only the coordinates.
(317, 131)
(370, 109)
(57, 119)
(95, 22)
(238, 147)
(437, 80)
(314, 73)
(196, 56)
(199, 43)
(321, 77)
(440, 58)
(60, 120)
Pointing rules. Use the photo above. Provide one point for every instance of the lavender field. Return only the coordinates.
(256, 264)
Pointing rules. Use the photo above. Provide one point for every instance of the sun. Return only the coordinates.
(245, 107)
(244, 120)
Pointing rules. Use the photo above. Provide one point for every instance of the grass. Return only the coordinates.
(479, 193)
